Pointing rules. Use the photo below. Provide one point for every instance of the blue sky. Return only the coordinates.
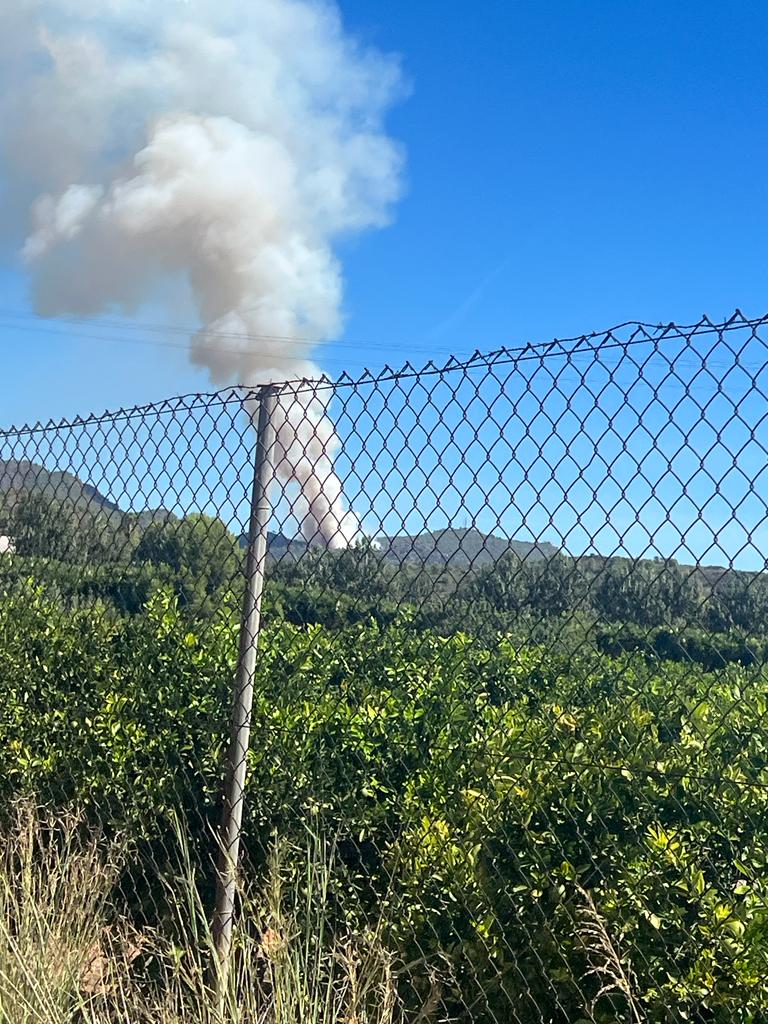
(569, 166)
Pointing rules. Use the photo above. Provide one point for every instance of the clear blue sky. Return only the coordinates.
(569, 166)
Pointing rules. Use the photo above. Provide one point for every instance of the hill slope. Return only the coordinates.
(21, 475)
(459, 547)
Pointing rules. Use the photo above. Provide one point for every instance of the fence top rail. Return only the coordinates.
(621, 336)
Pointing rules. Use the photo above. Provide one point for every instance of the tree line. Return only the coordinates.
(88, 553)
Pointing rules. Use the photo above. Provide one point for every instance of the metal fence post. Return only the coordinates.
(234, 784)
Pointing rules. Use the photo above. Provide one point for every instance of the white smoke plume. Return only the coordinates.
(229, 142)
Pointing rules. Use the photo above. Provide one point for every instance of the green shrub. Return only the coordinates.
(478, 792)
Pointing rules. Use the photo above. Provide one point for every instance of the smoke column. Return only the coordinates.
(229, 142)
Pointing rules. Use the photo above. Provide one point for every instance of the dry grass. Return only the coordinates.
(66, 959)
(54, 889)
(286, 968)
(604, 957)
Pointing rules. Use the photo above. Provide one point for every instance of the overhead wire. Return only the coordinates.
(330, 349)
(44, 325)
(571, 349)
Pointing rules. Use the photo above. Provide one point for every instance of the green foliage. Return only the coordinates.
(528, 596)
(46, 527)
(200, 556)
(739, 600)
(110, 714)
(200, 544)
(476, 790)
(89, 551)
(710, 650)
(480, 788)
(519, 585)
(539, 772)
(647, 593)
(86, 555)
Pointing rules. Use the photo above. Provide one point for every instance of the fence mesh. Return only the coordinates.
(511, 673)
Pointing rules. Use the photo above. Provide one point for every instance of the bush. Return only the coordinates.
(478, 791)
(711, 651)
(120, 715)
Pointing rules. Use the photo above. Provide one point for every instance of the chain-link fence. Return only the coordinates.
(511, 674)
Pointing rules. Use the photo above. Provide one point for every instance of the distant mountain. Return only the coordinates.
(459, 547)
(452, 547)
(279, 546)
(21, 475)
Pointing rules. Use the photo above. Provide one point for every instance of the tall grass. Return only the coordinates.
(67, 956)
(54, 892)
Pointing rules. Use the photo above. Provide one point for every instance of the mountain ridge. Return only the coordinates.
(449, 546)
(457, 547)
